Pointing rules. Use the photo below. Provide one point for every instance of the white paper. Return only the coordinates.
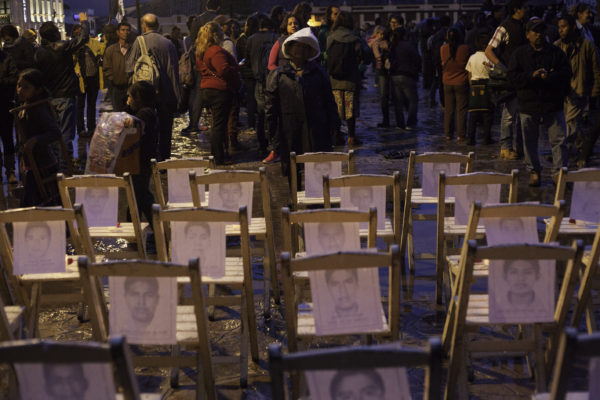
(313, 177)
(379, 383)
(77, 381)
(322, 238)
(39, 247)
(143, 309)
(585, 202)
(521, 291)
(231, 196)
(500, 231)
(431, 177)
(362, 198)
(178, 185)
(101, 204)
(203, 240)
(466, 195)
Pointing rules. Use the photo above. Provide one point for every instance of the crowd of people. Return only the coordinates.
(300, 83)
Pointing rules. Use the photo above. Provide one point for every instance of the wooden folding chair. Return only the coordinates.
(359, 357)
(570, 229)
(571, 347)
(391, 233)
(414, 199)
(11, 322)
(238, 271)
(191, 325)
(261, 228)
(134, 231)
(63, 287)
(449, 230)
(472, 313)
(299, 199)
(186, 163)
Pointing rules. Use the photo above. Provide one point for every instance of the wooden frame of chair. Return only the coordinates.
(261, 228)
(132, 231)
(359, 357)
(191, 324)
(27, 288)
(238, 272)
(189, 163)
(390, 234)
(414, 197)
(114, 352)
(340, 260)
(299, 199)
(475, 316)
(446, 228)
(11, 322)
(480, 269)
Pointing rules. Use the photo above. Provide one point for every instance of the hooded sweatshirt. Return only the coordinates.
(345, 35)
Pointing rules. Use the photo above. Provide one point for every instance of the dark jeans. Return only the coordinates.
(405, 94)
(119, 98)
(165, 125)
(383, 81)
(66, 108)
(480, 117)
(590, 141)
(456, 104)
(88, 99)
(554, 124)
(143, 196)
(259, 94)
(249, 84)
(436, 87)
(219, 102)
(8, 143)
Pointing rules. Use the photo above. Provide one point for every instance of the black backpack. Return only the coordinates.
(263, 61)
(342, 60)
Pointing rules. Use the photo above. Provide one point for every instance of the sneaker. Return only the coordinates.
(271, 158)
(507, 154)
(534, 179)
(12, 178)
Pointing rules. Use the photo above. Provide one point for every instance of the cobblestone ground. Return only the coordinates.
(382, 152)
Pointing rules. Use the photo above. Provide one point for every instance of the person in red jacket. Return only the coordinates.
(454, 55)
(220, 79)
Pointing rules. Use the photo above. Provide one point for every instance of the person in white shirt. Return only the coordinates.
(480, 105)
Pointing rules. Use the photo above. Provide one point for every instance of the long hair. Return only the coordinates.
(209, 35)
(454, 40)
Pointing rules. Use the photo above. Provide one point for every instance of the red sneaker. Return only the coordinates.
(271, 158)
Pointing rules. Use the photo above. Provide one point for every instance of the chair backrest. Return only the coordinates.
(353, 181)
(114, 353)
(591, 175)
(571, 347)
(291, 220)
(5, 331)
(359, 357)
(171, 164)
(348, 158)
(341, 261)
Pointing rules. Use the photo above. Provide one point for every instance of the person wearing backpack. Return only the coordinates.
(345, 51)
(257, 55)
(159, 65)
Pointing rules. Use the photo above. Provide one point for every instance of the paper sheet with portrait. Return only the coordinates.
(466, 195)
(362, 198)
(325, 237)
(378, 383)
(313, 177)
(101, 204)
(39, 247)
(585, 202)
(203, 240)
(143, 309)
(76, 381)
(521, 291)
(500, 231)
(178, 185)
(431, 176)
(231, 196)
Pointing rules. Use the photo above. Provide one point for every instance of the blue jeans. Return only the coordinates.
(405, 95)
(66, 115)
(554, 123)
(510, 136)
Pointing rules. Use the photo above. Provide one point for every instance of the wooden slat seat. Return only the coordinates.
(577, 230)
(314, 201)
(234, 273)
(306, 322)
(418, 199)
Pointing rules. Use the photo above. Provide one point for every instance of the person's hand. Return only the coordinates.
(540, 73)
(83, 16)
(488, 64)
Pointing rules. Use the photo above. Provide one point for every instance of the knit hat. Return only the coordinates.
(305, 36)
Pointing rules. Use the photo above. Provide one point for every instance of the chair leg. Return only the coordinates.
(274, 277)
(211, 309)
(174, 373)
(590, 318)
(244, 338)
(248, 299)
(34, 308)
(410, 245)
(540, 366)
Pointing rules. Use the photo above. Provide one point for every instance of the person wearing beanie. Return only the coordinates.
(299, 97)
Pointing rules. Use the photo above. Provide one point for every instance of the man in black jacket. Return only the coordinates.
(20, 49)
(55, 60)
(541, 73)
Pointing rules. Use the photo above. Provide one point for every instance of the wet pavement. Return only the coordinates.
(382, 152)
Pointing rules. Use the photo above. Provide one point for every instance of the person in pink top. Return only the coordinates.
(454, 55)
(289, 25)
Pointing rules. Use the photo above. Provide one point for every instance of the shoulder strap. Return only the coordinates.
(142, 43)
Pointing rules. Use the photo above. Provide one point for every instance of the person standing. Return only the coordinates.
(88, 64)
(507, 38)
(585, 81)
(8, 82)
(211, 11)
(480, 105)
(55, 60)
(584, 16)
(381, 51)
(115, 59)
(20, 49)
(330, 15)
(434, 44)
(168, 89)
(454, 56)
(541, 73)
(250, 28)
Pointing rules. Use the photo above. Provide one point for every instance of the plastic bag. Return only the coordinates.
(107, 141)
